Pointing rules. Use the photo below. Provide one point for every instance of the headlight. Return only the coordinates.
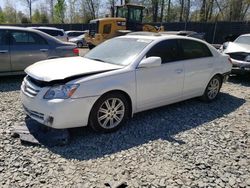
(225, 45)
(61, 91)
(247, 59)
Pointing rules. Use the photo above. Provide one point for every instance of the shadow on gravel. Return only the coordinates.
(10, 83)
(161, 123)
(243, 80)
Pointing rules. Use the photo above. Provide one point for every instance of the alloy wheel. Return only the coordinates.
(111, 113)
(213, 88)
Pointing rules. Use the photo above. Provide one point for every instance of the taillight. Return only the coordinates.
(230, 61)
(76, 51)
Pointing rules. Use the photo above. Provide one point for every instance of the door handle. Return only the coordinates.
(3, 51)
(178, 71)
(43, 50)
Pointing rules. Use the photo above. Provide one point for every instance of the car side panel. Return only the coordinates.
(106, 82)
(197, 74)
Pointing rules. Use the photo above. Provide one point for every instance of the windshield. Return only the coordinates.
(243, 40)
(119, 51)
(122, 12)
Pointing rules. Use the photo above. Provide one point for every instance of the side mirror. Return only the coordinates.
(150, 62)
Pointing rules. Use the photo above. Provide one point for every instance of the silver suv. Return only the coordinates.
(21, 47)
(54, 32)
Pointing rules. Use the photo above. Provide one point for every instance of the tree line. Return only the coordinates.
(81, 11)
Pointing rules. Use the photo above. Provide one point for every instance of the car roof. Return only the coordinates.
(179, 32)
(48, 37)
(15, 27)
(50, 28)
(75, 31)
(159, 37)
(108, 19)
(245, 35)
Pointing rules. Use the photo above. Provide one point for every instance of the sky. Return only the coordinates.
(17, 3)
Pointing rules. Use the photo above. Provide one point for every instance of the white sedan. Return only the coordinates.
(120, 77)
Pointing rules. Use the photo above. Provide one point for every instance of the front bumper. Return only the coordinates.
(226, 76)
(58, 113)
(240, 64)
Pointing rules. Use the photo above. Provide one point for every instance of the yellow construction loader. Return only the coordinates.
(128, 19)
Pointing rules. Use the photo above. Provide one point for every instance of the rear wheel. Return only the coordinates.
(109, 112)
(79, 44)
(213, 89)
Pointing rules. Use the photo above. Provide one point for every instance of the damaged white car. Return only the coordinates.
(120, 77)
(239, 51)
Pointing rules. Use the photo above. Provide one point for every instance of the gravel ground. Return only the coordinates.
(188, 144)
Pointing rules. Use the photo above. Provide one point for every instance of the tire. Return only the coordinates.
(91, 46)
(212, 89)
(104, 116)
(79, 44)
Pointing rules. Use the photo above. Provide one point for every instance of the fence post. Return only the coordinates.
(215, 27)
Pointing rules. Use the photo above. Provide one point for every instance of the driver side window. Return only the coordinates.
(167, 50)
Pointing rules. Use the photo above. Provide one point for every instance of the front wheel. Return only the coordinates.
(91, 46)
(212, 89)
(109, 113)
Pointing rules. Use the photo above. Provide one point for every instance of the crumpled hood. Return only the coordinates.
(233, 47)
(61, 68)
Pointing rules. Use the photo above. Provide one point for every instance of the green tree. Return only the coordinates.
(10, 14)
(36, 18)
(44, 18)
(2, 16)
(59, 10)
(25, 20)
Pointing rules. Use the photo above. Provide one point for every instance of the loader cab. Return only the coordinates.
(133, 15)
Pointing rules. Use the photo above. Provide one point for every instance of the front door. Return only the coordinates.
(157, 86)
(4, 52)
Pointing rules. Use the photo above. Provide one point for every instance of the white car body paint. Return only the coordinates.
(67, 67)
(147, 87)
(235, 47)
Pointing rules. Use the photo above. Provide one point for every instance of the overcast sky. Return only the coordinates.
(17, 3)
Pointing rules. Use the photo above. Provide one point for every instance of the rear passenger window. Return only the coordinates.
(52, 32)
(167, 50)
(194, 49)
(3, 37)
(26, 38)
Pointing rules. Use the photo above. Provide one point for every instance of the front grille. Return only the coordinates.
(29, 88)
(241, 56)
(34, 114)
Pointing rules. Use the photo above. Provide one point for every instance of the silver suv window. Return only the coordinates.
(52, 32)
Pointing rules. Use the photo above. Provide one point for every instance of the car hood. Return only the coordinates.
(233, 47)
(62, 68)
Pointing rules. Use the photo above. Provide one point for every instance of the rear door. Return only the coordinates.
(198, 64)
(4, 52)
(26, 48)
